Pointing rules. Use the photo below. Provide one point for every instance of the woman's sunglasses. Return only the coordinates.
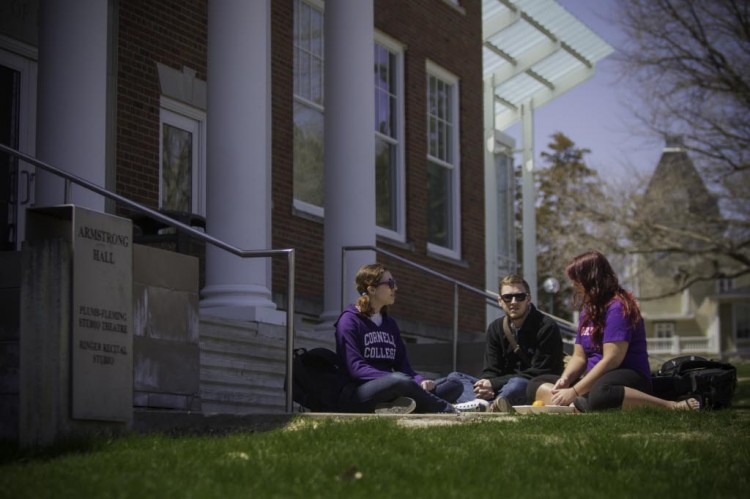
(507, 298)
(390, 282)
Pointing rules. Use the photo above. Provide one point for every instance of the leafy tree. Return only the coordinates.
(567, 189)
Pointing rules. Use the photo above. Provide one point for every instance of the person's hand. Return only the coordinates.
(563, 396)
(483, 389)
(563, 382)
(427, 385)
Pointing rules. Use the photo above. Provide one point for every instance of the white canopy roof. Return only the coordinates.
(534, 51)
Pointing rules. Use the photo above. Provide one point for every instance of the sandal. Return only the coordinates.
(691, 404)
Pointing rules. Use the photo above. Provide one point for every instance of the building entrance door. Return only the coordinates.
(17, 118)
(9, 83)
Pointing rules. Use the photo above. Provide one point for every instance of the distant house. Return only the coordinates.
(709, 317)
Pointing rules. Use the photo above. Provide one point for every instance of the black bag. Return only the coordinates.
(317, 379)
(710, 381)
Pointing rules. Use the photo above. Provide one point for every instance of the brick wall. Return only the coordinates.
(430, 29)
(433, 30)
(174, 33)
(289, 230)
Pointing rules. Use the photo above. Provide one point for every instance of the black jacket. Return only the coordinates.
(539, 337)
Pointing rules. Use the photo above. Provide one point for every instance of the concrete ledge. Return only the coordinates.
(179, 422)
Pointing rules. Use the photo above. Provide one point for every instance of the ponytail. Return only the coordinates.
(368, 275)
(363, 303)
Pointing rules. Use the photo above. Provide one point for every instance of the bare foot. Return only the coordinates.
(689, 404)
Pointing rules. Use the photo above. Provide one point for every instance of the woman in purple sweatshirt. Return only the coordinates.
(609, 368)
(369, 345)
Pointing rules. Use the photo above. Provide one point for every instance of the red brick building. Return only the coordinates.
(220, 110)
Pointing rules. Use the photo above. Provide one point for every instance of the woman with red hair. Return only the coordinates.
(609, 368)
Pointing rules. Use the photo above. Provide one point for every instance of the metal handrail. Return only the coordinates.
(566, 328)
(289, 252)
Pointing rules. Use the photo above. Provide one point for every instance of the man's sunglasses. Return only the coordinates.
(390, 282)
(507, 298)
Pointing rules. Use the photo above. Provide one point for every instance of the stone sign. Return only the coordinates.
(101, 329)
(102, 361)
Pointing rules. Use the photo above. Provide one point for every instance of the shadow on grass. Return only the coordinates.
(161, 423)
(12, 452)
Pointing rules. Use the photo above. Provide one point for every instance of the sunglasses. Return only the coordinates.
(390, 282)
(507, 298)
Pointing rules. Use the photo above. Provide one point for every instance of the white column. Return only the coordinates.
(72, 98)
(349, 169)
(529, 199)
(491, 222)
(238, 178)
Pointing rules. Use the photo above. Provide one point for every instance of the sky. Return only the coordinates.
(596, 114)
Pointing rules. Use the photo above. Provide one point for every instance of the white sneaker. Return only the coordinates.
(400, 405)
(476, 405)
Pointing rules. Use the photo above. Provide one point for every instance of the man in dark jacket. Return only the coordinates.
(531, 346)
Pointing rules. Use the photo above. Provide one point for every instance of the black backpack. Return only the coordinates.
(317, 379)
(710, 381)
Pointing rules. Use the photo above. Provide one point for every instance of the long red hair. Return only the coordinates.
(598, 287)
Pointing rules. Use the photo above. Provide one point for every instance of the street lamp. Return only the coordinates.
(551, 286)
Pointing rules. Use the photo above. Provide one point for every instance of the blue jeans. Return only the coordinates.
(365, 396)
(514, 390)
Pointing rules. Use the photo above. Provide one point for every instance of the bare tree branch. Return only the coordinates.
(692, 57)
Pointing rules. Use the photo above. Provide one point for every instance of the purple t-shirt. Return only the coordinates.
(370, 351)
(616, 328)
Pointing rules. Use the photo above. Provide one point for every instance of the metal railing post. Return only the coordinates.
(289, 330)
(343, 280)
(455, 326)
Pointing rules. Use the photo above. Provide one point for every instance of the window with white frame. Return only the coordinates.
(663, 330)
(390, 212)
(308, 106)
(443, 215)
(725, 285)
(182, 158)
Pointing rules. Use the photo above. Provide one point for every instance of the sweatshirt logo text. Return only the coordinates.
(380, 345)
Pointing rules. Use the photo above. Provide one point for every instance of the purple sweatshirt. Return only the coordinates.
(616, 328)
(369, 351)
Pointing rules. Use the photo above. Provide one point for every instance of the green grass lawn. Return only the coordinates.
(643, 454)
